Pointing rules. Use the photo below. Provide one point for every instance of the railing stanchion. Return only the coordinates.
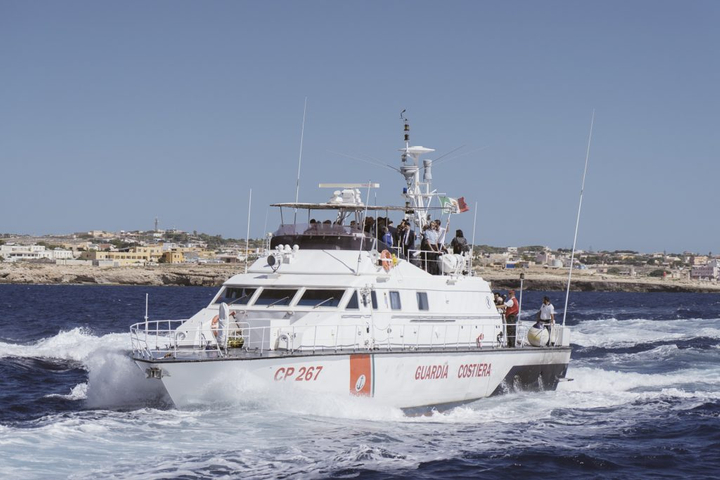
(314, 338)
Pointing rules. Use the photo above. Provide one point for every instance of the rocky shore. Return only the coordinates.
(214, 275)
(542, 280)
(179, 275)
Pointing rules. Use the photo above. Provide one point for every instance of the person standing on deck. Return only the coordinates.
(408, 240)
(547, 316)
(511, 308)
(387, 237)
(433, 236)
(459, 243)
(425, 247)
(393, 231)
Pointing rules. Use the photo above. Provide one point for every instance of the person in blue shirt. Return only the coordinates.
(387, 237)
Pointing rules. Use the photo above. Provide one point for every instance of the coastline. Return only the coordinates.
(214, 275)
(171, 275)
(543, 280)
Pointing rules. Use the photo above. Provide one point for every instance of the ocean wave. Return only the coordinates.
(76, 345)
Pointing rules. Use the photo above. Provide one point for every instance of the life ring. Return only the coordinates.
(214, 325)
(387, 260)
(479, 339)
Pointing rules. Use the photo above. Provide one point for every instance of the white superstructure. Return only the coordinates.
(332, 309)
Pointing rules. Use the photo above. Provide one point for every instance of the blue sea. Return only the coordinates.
(644, 402)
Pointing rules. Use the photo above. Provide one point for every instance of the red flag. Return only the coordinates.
(462, 205)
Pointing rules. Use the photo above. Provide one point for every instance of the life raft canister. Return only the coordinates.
(538, 336)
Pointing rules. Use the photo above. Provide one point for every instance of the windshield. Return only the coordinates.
(236, 295)
(320, 298)
(275, 297)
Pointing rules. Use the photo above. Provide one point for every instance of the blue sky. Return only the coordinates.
(114, 113)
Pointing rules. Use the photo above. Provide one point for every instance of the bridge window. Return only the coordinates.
(353, 303)
(275, 297)
(373, 297)
(236, 295)
(320, 298)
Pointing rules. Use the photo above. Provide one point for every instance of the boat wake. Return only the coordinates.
(113, 379)
(616, 333)
(266, 430)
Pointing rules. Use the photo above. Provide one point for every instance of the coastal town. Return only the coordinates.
(93, 256)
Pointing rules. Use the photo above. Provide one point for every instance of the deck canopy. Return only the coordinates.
(330, 206)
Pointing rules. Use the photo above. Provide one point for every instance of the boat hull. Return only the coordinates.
(414, 381)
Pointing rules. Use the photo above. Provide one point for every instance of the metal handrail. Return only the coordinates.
(161, 338)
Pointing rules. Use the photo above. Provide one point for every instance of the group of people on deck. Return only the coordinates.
(402, 240)
(510, 307)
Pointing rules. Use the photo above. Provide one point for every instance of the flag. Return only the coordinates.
(462, 205)
(449, 205)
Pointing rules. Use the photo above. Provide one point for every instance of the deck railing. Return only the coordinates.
(162, 339)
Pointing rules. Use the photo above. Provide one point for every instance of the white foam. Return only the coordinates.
(79, 392)
(115, 381)
(252, 392)
(614, 333)
(603, 381)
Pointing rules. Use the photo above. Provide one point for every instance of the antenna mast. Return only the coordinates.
(577, 222)
(415, 197)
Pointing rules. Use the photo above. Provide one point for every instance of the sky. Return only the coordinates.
(115, 113)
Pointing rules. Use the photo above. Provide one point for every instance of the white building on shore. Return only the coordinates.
(14, 253)
(709, 271)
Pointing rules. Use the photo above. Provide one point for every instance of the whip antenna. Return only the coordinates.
(297, 184)
(577, 222)
(247, 235)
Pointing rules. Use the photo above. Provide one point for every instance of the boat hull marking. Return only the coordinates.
(361, 377)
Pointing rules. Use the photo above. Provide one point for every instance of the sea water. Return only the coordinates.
(644, 401)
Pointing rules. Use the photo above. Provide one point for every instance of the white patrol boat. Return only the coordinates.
(332, 309)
